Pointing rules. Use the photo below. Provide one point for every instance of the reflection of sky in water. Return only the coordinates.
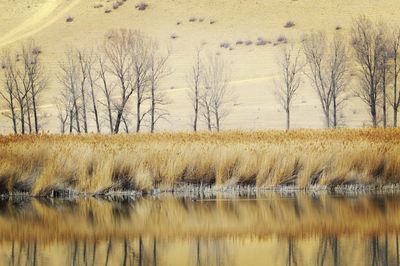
(269, 230)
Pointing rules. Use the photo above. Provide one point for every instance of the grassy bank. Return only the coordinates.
(39, 165)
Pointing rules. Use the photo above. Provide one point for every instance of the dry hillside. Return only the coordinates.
(253, 67)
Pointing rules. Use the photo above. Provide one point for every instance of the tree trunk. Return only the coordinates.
(84, 115)
(196, 109)
(334, 111)
(209, 119)
(395, 117)
(71, 119)
(28, 114)
(109, 114)
(118, 121)
(384, 97)
(217, 118)
(138, 114)
(327, 116)
(96, 115)
(22, 117)
(35, 115)
(287, 119)
(373, 115)
(152, 109)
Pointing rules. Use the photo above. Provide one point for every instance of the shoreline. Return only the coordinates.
(198, 192)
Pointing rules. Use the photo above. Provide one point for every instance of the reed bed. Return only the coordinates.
(99, 164)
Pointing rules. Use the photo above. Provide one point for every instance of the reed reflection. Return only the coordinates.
(268, 229)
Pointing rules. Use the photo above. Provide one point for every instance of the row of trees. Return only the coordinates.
(329, 65)
(98, 84)
(117, 84)
(110, 86)
(23, 81)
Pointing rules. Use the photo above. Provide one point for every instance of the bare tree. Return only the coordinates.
(33, 80)
(117, 48)
(82, 61)
(328, 72)
(290, 66)
(158, 70)
(69, 79)
(63, 109)
(314, 46)
(394, 48)
(140, 54)
(93, 77)
(340, 74)
(205, 97)
(8, 67)
(217, 95)
(106, 87)
(194, 81)
(368, 45)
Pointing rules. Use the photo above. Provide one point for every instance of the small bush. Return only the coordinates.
(261, 41)
(173, 36)
(141, 6)
(212, 21)
(225, 45)
(281, 39)
(98, 6)
(338, 27)
(115, 5)
(289, 24)
(248, 42)
(107, 10)
(201, 19)
(192, 19)
(69, 19)
(178, 23)
(239, 42)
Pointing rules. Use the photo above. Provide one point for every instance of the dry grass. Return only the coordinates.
(47, 164)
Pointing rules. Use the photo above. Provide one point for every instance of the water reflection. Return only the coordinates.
(267, 230)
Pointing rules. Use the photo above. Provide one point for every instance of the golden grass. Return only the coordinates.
(42, 164)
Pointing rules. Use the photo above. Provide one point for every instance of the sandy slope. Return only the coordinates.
(49, 12)
(253, 67)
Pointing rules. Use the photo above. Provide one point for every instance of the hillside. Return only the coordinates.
(253, 67)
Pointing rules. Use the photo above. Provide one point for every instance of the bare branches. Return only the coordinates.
(328, 72)
(158, 70)
(194, 80)
(216, 94)
(117, 49)
(23, 81)
(368, 46)
(290, 66)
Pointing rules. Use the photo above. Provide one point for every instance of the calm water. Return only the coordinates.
(266, 230)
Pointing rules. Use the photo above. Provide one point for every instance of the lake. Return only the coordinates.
(264, 229)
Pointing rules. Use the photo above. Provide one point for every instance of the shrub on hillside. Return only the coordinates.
(69, 19)
(141, 6)
(224, 45)
(289, 24)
